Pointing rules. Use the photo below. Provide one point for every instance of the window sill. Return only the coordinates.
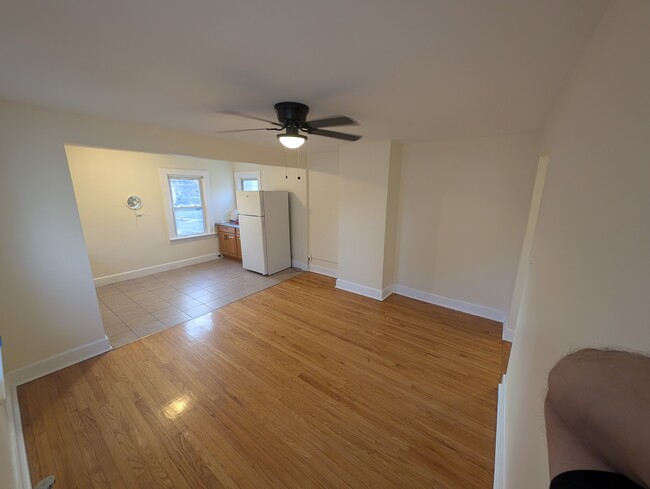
(197, 237)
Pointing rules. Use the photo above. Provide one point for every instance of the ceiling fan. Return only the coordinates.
(292, 118)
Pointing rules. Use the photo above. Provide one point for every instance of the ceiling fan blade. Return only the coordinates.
(335, 135)
(246, 130)
(337, 120)
(246, 116)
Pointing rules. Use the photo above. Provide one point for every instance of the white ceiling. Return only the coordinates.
(411, 70)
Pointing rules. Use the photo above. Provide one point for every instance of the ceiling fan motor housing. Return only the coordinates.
(291, 112)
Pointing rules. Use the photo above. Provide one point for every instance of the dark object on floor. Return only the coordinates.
(46, 483)
(592, 479)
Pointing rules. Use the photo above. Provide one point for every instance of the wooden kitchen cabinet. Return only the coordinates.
(229, 241)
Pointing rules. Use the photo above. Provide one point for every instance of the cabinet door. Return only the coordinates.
(238, 245)
(225, 229)
(227, 244)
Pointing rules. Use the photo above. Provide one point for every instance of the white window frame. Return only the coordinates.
(208, 218)
(247, 175)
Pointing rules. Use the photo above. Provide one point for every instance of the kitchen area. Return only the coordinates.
(146, 278)
(255, 248)
(126, 242)
(258, 232)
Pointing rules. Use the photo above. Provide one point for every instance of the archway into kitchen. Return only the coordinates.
(151, 222)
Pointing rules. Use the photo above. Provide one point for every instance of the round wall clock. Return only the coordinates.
(134, 202)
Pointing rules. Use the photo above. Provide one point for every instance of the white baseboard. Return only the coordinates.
(508, 334)
(26, 374)
(500, 442)
(456, 305)
(387, 291)
(474, 309)
(19, 463)
(299, 265)
(330, 272)
(56, 362)
(143, 272)
(355, 288)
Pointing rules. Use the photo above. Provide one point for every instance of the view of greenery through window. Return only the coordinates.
(187, 205)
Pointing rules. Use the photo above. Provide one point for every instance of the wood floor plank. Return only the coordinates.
(270, 394)
(267, 404)
(68, 455)
(189, 452)
(300, 385)
(36, 443)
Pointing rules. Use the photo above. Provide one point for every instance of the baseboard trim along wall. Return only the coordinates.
(143, 272)
(25, 374)
(330, 272)
(19, 463)
(386, 291)
(508, 334)
(499, 448)
(438, 300)
(56, 362)
(364, 290)
(299, 265)
(456, 305)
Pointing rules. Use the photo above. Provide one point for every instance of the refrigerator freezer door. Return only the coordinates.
(253, 243)
(250, 203)
(276, 223)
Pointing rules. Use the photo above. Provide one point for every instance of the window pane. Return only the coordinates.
(185, 191)
(250, 184)
(189, 221)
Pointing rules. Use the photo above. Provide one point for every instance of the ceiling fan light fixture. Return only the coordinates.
(291, 139)
(292, 142)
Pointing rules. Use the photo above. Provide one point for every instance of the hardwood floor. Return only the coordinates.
(300, 385)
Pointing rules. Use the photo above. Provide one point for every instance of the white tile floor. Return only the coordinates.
(136, 308)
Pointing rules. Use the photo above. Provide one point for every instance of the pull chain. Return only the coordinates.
(299, 167)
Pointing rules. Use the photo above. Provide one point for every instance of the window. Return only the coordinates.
(187, 203)
(248, 181)
(250, 184)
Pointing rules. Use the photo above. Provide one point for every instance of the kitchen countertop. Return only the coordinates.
(226, 223)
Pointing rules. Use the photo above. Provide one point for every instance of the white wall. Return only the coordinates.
(294, 180)
(589, 283)
(391, 233)
(525, 257)
(47, 297)
(323, 180)
(104, 178)
(453, 214)
(462, 216)
(363, 196)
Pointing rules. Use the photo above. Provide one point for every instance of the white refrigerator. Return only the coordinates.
(264, 231)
